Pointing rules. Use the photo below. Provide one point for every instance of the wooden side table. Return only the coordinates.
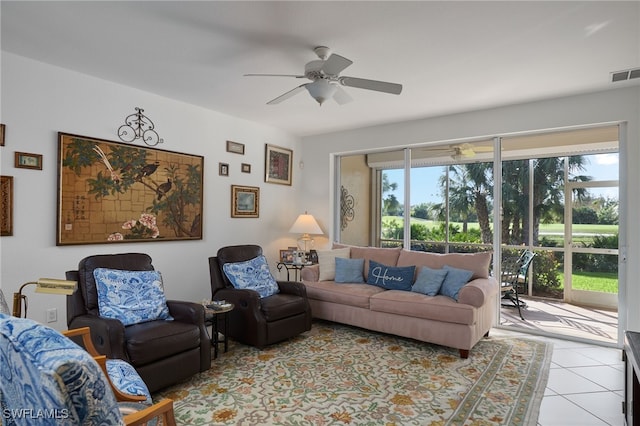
(212, 315)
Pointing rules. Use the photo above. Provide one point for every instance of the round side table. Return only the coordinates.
(212, 314)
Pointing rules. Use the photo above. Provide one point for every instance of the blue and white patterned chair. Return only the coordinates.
(46, 379)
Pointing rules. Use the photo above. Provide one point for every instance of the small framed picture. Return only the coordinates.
(278, 165)
(25, 160)
(6, 206)
(235, 147)
(286, 256)
(2, 130)
(245, 201)
(246, 168)
(223, 169)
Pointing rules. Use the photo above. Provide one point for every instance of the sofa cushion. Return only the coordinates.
(454, 280)
(253, 274)
(345, 294)
(327, 262)
(386, 256)
(349, 270)
(131, 296)
(478, 263)
(390, 277)
(437, 308)
(429, 281)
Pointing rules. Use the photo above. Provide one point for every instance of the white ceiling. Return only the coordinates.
(450, 56)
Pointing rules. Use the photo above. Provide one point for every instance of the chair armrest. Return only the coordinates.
(310, 273)
(162, 409)
(478, 292)
(189, 312)
(292, 287)
(241, 298)
(193, 313)
(85, 334)
(107, 334)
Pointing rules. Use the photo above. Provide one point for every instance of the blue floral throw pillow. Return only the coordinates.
(429, 281)
(252, 274)
(131, 296)
(390, 277)
(454, 281)
(349, 270)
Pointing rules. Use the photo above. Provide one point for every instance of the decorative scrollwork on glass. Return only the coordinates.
(138, 126)
(347, 212)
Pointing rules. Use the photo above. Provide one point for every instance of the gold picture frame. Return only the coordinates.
(25, 160)
(245, 168)
(111, 192)
(6, 206)
(278, 162)
(245, 201)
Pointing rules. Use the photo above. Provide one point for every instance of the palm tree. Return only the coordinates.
(548, 194)
(470, 189)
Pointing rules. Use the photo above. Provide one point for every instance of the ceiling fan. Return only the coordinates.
(463, 150)
(326, 81)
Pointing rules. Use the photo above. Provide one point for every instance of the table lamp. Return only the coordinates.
(43, 285)
(305, 224)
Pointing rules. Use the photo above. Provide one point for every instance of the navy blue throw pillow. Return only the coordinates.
(390, 277)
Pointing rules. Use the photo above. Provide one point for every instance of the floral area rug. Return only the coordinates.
(339, 375)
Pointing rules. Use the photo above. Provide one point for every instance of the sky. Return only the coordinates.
(427, 189)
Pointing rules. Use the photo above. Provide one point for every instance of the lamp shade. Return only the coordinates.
(306, 224)
(43, 285)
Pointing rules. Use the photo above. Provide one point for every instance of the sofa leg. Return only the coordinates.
(486, 334)
(464, 353)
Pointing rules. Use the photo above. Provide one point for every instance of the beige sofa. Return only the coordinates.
(436, 319)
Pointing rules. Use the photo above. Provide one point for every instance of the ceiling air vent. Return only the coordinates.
(625, 75)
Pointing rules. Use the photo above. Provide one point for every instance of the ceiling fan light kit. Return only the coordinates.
(321, 90)
(326, 81)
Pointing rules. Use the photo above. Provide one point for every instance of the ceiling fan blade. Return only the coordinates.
(287, 95)
(274, 75)
(341, 96)
(335, 64)
(378, 86)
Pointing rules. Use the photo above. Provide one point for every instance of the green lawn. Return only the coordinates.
(551, 228)
(606, 282)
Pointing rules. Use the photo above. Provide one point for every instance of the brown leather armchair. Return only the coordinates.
(255, 321)
(163, 352)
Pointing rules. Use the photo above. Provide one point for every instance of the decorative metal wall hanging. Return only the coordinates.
(346, 208)
(139, 126)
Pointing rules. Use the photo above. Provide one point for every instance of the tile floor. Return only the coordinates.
(586, 384)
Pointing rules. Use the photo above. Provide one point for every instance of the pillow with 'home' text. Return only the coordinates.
(390, 277)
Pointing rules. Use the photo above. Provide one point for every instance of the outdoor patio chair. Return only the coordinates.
(515, 275)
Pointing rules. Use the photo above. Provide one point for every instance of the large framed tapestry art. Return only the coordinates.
(112, 192)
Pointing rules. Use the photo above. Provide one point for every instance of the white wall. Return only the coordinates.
(39, 100)
(621, 104)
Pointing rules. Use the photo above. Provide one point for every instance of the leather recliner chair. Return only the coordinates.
(259, 321)
(162, 352)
